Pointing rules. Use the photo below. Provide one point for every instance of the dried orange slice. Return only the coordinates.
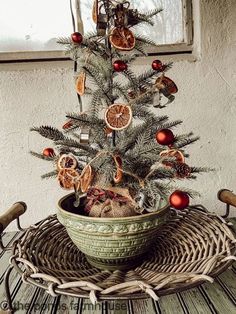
(107, 130)
(179, 157)
(69, 179)
(80, 83)
(95, 11)
(118, 116)
(122, 38)
(68, 125)
(119, 173)
(86, 178)
(67, 162)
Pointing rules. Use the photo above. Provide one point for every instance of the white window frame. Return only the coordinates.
(185, 48)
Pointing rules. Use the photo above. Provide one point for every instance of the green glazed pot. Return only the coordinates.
(111, 243)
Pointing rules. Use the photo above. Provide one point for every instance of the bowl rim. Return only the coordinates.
(160, 212)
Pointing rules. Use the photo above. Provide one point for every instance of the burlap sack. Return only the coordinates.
(112, 209)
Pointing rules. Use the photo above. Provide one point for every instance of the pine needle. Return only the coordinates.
(41, 156)
(52, 174)
(49, 132)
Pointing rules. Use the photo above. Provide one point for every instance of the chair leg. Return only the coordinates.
(8, 304)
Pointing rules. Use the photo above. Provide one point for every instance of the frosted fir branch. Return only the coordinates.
(96, 136)
(101, 65)
(95, 103)
(148, 75)
(164, 188)
(97, 133)
(145, 99)
(120, 90)
(52, 174)
(86, 120)
(97, 79)
(41, 156)
(169, 125)
(68, 142)
(185, 142)
(140, 47)
(127, 58)
(183, 136)
(105, 178)
(92, 35)
(142, 21)
(80, 117)
(67, 150)
(155, 191)
(143, 138)
(98, 163)
(95, 74)
(76, 49)
(147, 148)
(147, 18)
(153, 12)
(64, 41)
(129, 137)
(167, 66)
(152, 156)
(192, 177)
(49, 132)
(96, 47)
(72, 52)
(142, 113)
(162, 173)
(131, 77)
(145, 40)
(201, 169)
(190, 192)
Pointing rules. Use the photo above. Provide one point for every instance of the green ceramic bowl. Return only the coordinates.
(111, 243)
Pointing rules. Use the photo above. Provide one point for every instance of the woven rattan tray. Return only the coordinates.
(192, 248)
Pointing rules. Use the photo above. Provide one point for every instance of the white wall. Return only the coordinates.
(41, 94)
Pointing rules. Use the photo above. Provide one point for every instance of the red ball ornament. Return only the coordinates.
(165, 137)
(77, 37)
(179, 200)
(120, 66)
(49, 152)
(157, 65)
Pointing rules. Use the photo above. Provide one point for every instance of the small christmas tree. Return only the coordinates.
(121, 152)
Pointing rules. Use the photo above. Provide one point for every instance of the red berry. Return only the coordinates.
(49, 152)
(77, 37)
(179, 200)
(157, 65)
(165, 137)
(119, 66)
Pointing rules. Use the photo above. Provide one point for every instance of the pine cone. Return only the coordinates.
(182, 170)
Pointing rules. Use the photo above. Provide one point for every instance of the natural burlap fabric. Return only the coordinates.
(112, 209)
(111, 202)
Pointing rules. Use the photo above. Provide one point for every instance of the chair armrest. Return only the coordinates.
(227, 197)
(14, 212)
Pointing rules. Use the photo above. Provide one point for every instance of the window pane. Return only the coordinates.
(34, 25)
(168, 27)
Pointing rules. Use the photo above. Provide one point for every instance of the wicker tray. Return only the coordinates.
(192, 248)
